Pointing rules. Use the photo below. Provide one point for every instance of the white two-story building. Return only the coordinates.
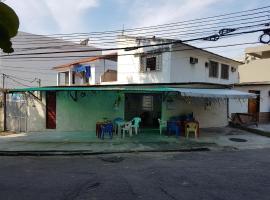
(174, 63)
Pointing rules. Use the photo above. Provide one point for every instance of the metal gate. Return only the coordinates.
(16, 112)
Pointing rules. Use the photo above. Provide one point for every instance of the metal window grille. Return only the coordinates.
(151, 63)
(225, 71)
(213, 69)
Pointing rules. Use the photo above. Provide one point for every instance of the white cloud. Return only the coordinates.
(48, 16)
(69, 13)
(159, 12)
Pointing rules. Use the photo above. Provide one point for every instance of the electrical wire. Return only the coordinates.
(139, 46)
(18, 82)
(173, 24)
(128, 54)
(175, 32)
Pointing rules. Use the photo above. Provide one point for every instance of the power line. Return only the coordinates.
(174, 23)
(128, 54)
(18, 82)
(210, 17)
(178, 33)
(209, 38)
(162, 33)
(16, 67)
(33, 72)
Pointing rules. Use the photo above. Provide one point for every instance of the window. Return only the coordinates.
(150, 63)
(213, 69)
(224, 71)
(147, 103)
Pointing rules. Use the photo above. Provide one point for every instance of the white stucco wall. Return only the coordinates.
(214, 115)
(102, 66)
(128, 70)
(36, 114)
(237, 106)
(26, 115)
(183, 71)
(175, 67)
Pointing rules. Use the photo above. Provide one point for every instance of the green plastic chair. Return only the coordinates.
(136, 124)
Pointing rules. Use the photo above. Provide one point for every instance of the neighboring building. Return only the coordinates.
(254, 78)
(173, 63)
(88, 71)
(32, 70)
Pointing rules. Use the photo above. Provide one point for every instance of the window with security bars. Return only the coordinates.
(224, 71)
(147, 103)
(213, 69)
(150, 63)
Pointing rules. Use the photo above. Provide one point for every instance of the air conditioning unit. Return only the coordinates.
(233, 69)
(193, 61)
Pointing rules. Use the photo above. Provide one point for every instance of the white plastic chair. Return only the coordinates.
(127, 128)
(162, 124)
(136, 124)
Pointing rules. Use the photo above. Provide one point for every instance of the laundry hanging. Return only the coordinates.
(86, 69)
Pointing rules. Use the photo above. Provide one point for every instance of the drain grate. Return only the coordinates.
(238, 140)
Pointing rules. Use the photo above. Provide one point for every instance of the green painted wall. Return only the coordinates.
(83, 114)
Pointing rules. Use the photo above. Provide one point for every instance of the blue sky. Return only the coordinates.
(68, 16)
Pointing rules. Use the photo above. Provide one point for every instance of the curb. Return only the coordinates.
(85, 153)
(252, 130)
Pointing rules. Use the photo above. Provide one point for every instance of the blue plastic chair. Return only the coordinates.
(189, 117)
(107, 129)
(173, 127)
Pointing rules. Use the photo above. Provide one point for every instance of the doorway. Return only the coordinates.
(145, 106)
(51, 110)
(254, 104)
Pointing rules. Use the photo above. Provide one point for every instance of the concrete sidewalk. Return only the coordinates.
(263, 127)
(216, 138)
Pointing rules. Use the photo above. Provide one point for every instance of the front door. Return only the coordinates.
(145, 106)
(254, 104)
(51, 110)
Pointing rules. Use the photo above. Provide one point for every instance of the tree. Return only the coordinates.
(9, 25)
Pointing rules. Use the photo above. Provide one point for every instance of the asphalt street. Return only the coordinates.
(232, 175)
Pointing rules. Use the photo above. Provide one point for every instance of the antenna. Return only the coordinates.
(123, 29)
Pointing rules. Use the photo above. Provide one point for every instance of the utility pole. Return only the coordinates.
(39, 82)
(3, 80)
(4, 102)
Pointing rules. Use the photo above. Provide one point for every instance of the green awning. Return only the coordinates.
(105, 88)
(185, 92)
